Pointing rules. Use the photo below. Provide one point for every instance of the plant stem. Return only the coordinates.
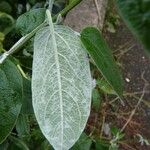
(22, 72)
(25, 38)
(51, 2)
(67, 8)
(137, 105)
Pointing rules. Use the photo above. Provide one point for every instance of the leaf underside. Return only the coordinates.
(10, 98)
(61, 85)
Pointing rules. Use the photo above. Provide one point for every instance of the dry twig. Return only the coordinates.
(137, 105)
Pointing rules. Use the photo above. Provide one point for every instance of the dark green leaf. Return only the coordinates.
(96, 99)
(13, 146)
(25, 61)
(10, 98)
(4, 145)
(58, 6)
(23, 127)
(100, 145)
(102, 56)
(18, 143)
(84, 143)
(46, 146)
(6, 23)
(114, 130)
(5, 7)
(105, 86)
(2, 37)
(30, 20)
(27, 97)
(136, 14)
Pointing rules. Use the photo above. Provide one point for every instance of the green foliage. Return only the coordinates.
(117, 136)
(84, 143)
(58, 6)
(10, 98)
(30, 20)
(105, 87)
(23, 127)
(101, 145)
(96, 99)
(136, 14)
(102, 56)
(27, 97)
(2, 36)
(4, 145)
(6, 22)
(18, 126)
(5, 7)
(17, 144)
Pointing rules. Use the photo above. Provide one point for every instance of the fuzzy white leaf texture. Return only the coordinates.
(61, 85)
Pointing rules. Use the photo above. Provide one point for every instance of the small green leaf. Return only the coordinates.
(117, 133)
(5, 7)
(100, 145)
(10, 98)
(6, 22)
(27, 97)
(105, 87)
(4, 145)
(2, 37)
(136, 14)
(96, 99)
(58, 6)
(84, 143)
(30, 20)
(23, 127)
(46, 146)
(102, 56)
(21, 145)
(114, 130)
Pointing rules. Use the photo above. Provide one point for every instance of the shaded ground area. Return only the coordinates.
(135, 66)
(133, 119)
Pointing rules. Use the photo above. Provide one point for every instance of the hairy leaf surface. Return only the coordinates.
(61, 85)
(10, 98)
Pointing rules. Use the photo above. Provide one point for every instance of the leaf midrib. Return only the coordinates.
(58, 76)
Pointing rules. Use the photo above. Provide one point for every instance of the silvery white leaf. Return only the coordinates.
(61, 85)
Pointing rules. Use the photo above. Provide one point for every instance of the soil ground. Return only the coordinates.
(135, 66)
